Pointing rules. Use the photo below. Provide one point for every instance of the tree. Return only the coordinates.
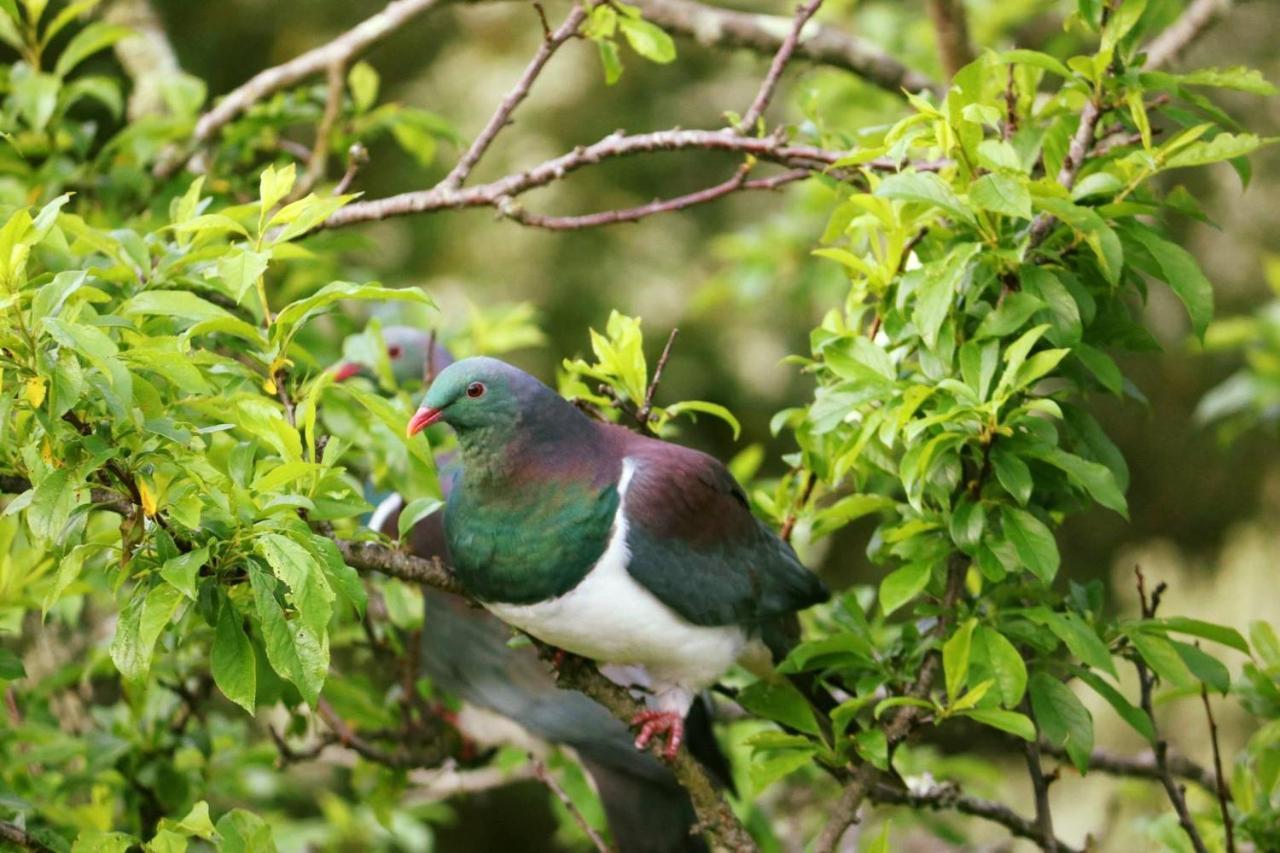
(177, 456)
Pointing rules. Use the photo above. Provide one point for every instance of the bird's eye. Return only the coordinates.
(393, 351)
(475, 389)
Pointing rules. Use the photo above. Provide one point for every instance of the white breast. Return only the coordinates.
(611, 618)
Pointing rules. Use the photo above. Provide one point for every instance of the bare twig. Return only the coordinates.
(357, 156)
(1040, 788)
(618, 144)
(340, 51)
(716, 27)
(146, 55)
(1140, 766)
(402, 759)
(780, 60)
(1220, 786)
(319, 157)
(1175, 38)
(789, 524)
(514, 211)
(949, 796)
(1146, 684)
(13, 834)
(951, 30)
(370, 556)
(502, 116)
(541, 773)
(1079, 148)
(642, 415)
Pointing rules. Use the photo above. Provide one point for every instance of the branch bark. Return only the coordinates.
(727, 28)
(13, 834)
(780, 59)
(951, 30)
(146, 55)
(1140, 766)
(1190, 25)
(949, 796)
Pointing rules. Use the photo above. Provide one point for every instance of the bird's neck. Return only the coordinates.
(498, 458)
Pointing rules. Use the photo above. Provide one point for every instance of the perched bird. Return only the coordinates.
(465, 652)
(608, 544)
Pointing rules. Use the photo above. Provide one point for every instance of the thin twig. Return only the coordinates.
(1219, 779)
(340, 50)
(715, 27)
(789, 524)
(617, 144)
(780, 60)
(370, 556)
(401, 759)
(1040, 788)
(357, 156)
(951, 31)
(1146, 683)
(1081, 143)
(502, 116)
(647, 406)
(1140, 766)
(541, 773)
(1195, 20)
(13, 834)
(512, 210)
(319, 158)
(949, 796)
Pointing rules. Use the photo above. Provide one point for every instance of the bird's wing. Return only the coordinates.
(695, 544)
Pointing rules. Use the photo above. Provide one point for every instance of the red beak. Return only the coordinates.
(422, 419)
(346, 370)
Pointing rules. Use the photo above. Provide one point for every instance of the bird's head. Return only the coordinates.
(476, 393)
(414, 356)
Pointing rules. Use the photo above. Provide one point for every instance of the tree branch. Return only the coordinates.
(1140, 766)
(318, 161)
(541, 773)
(1040, 788)
(1146, 683)
(726, 28)
(951, 30)
(1190, 25)
(373, 557)
(780, 59)
(1220, 788)
(13, 834)
(146, 55)
(1078, 150)
(502, 116)
(340, 51)
(949, 796)
(617, 144)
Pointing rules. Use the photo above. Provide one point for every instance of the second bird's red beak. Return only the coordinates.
(422, 419)
(345, 371)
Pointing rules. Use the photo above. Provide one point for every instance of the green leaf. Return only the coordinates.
(1131, 714)
(88, 41)
(1012, 473)
(648, 40)
(1162, 657)
(362, 80)
(937, 285)
(52, 502)
(138, 627)
(925, 188)
(1006, 721)
(11, 667)
(1001, 193)
(1176, 266)
(873, 746)
(779, 701)
(274, 184)
(1239, 78)
(1204, 666)
(232, 659)
(240, 831)
(296, 652)
(1062, 718)
(1265, 643)
(240, 270)
(955, 659)
(1036, 59)
(295, 314)
(903, 584)
(297, 567)
(181, 571)
(173, 303)
(706, 408)
(1080, 638)
(415, 511)
(1006, 665)
(1097, 234)
(1223, 634)
(1093, 477)
(765, 771)
(1033, 542)
(610, 61)
(968, 521)
(1224, 146)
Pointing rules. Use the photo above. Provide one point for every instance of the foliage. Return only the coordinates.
(179, 457)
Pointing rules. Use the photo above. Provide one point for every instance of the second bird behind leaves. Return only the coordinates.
(608, 544)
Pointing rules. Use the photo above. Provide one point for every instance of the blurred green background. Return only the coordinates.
(737, 279)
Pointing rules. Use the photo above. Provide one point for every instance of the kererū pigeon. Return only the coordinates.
(465, 652)
(609, 544)
(414, 356)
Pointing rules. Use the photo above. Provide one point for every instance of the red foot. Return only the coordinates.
(558, 659)
(652, 723)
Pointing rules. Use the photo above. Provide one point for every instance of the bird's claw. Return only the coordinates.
(653, 723)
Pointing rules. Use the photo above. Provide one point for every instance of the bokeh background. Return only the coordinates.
(737, 279)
